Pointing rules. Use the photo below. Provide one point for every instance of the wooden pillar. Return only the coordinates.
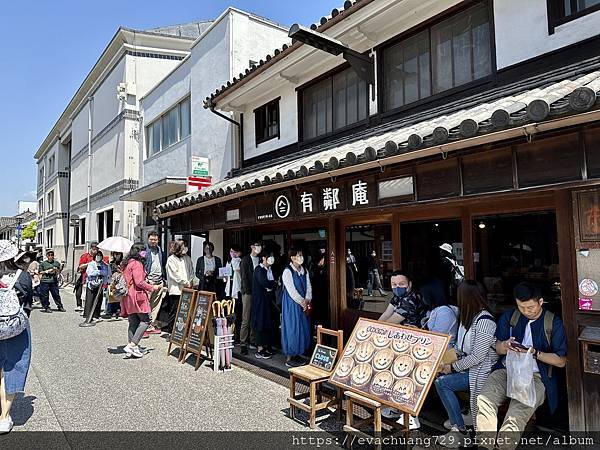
(335, 261)
(468, 248)
(569, 299)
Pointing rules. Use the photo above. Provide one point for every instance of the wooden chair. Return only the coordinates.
(315, 377)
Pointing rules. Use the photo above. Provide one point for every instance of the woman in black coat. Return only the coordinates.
(263, 297)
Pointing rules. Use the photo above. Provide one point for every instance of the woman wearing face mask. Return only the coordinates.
(374, 279)
(177, 277)
(97, 278)
(263, 297)
(233, 286)
(207, 270)
(296, 298)
(114, 302)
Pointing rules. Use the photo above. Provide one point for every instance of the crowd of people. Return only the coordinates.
(475, 362)
(274, 312)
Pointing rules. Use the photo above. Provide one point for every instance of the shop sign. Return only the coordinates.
(283, 206)
(362, 193)
(232, 215)
(264, 211)
(332, 198)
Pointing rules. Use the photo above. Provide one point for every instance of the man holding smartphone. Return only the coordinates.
(49, 270)
(532, 329)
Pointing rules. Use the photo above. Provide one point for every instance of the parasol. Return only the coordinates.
(116, 244)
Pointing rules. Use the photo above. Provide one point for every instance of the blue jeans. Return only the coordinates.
(446, 386)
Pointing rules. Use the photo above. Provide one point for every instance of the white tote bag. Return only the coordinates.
(519, 369)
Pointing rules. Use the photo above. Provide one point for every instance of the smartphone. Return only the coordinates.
(519, 345)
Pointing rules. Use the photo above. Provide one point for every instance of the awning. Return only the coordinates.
(560, 98)
(159, 189)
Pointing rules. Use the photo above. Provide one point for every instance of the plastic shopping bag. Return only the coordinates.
(519, 369)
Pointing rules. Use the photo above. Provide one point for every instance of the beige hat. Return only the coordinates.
(8, 250)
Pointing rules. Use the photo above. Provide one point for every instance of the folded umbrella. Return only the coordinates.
(116, 244)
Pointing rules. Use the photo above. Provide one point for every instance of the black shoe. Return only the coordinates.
(294, 362)
(61, 309)
(46, 310)
(262, 354)
(244, 350)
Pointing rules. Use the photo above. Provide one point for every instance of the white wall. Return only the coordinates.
(522, 30)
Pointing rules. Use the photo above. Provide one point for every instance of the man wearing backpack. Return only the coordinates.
(543, 334)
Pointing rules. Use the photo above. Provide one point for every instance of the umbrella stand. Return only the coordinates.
(88, 320)
(223, 338)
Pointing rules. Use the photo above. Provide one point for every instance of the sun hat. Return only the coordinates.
(446, 247)
(8, 250)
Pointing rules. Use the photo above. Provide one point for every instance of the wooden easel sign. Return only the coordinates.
(182, 319)
(198, 325)
(391, 364)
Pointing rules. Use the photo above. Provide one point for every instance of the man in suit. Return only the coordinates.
(207, 271)
(249, 263)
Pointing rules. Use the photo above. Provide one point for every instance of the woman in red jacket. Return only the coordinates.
(136, 304)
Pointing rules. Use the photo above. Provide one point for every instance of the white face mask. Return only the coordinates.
(98, 258)
(270, 260)
(257, 249)
(300, 259)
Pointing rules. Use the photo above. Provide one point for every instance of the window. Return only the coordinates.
(41, 176)
(40, 236)
(50, 238)
(50, 201)
(562, 11)
(170, 128)
(105, 224)
(51, 164)
(41, 207)
(79, 232)
(452, 53)
(266, 121)
(334, 103)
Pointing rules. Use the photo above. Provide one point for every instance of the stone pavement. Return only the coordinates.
(80, 381)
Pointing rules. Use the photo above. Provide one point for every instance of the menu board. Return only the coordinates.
(391, 364)
(199, 322)
(323, 357)
(186, 303)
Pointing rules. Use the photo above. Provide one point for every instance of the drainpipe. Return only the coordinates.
(211, 108)
(89, 180)
(44, 207)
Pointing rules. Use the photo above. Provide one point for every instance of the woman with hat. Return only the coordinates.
(15, 352)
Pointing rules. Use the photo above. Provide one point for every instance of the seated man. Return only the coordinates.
(531, 326)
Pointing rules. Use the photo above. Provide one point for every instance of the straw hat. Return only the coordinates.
(8, 250)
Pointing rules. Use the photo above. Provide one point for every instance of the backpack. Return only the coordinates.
(13, 320)
(548, 323)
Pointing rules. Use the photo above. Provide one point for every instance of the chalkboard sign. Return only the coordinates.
(323, 357)
(199, 322)
(186, 304)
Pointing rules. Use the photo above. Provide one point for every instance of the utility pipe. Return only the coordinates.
(89, 177)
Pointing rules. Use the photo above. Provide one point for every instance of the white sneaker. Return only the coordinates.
(135, 352)
(467, 419)
(413, 422)
(390, 413)
(98, 320)
(6, 425)
(453, 439)
(78, 309)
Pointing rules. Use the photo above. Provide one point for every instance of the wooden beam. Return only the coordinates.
(569, 297)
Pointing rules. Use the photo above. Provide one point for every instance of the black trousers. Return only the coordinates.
(90, 295)
(78, 293)
(45, 290)
(168, 311)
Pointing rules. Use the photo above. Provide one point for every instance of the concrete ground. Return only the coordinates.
(80, 381)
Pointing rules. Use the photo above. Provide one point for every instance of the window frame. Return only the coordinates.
(425, 25)
(104, 215)
(300, 90)
(555, 17)
(50, 204)
(161, 135)
(263, 109)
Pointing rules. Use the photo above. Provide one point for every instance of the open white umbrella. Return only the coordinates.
(116, 244)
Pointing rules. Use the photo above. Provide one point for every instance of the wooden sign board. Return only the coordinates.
(391, 364)
(198, 324)
(323, 357)
(182, 318)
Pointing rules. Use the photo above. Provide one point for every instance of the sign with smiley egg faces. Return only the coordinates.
(392, 364)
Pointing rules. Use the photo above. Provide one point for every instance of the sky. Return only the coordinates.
(48, 48)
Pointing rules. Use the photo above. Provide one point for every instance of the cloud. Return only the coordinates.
(31, 195)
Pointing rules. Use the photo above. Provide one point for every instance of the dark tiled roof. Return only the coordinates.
(559, 93)
(337, 14)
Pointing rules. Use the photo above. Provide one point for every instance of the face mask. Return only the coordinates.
(399, 291)
(98, 258)
(373, 255)
(349, 252)
(143, 253)
(233, 255)
(257, 249)
(322, 251)
(270, 260)
(300, 260)
(185, 250)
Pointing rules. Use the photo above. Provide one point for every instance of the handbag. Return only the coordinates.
(13, 320)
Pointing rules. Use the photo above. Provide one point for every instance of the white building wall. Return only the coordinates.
(522, 30)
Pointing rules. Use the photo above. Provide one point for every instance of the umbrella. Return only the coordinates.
(116, 244)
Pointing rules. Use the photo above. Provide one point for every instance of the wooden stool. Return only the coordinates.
(315, 377)
(353, 427)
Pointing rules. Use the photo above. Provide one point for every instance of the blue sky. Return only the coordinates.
(48, 47)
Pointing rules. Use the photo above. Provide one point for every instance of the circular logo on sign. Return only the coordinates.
(283, 207)
(588, 287)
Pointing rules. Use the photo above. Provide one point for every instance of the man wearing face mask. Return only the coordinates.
(85, 259)
(374, 279)
(247, 266)
(98, 277)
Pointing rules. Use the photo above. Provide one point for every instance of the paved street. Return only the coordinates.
(80, 381)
